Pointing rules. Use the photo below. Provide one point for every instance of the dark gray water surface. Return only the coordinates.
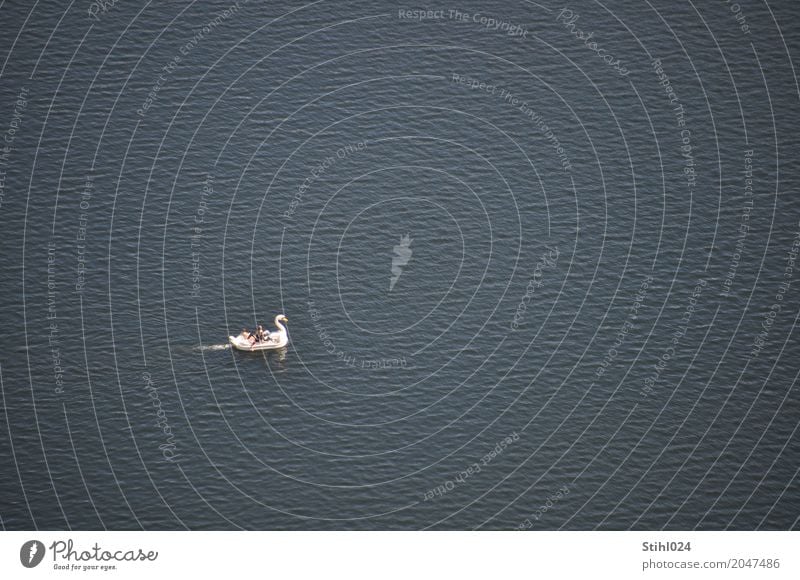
(590, 325)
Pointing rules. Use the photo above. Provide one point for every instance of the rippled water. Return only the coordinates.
(539, 270)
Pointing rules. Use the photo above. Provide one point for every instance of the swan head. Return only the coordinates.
(279, 319)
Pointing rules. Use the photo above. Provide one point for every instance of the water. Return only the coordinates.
(554, 345)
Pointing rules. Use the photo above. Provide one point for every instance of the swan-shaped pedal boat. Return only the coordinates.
(273, 341)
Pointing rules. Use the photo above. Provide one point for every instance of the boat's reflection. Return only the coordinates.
(276, 358)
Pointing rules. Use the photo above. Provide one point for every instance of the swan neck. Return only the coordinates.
(278, 323)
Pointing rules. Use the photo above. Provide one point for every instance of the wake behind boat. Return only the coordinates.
(260, 340)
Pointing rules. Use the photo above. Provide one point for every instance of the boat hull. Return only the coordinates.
(240, 343)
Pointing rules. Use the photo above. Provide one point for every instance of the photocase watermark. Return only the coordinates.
(383, 363)
(509, 98)
(736, 11)
(168, 447)
(80, 235)
(53, 339)
(471, 470)
(677, 336)
(184, 50)
(490, 23)
(9, 136)
(349, 358)
(744, 227)
(98, 6)
(401, 258)
(547, 260)
(622, 334)
(319, 170)
(196, 238)
(624, 330)
(680, 118)
(568, 18)
(768, 319)
(548, 504)
(31, 553)
(95, 558)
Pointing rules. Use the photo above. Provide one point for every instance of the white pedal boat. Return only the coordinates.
(274, 340)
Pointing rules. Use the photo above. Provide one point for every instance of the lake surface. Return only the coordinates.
(538, 263)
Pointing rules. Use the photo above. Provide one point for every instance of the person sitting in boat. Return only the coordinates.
(260, 335)
(247, 336)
